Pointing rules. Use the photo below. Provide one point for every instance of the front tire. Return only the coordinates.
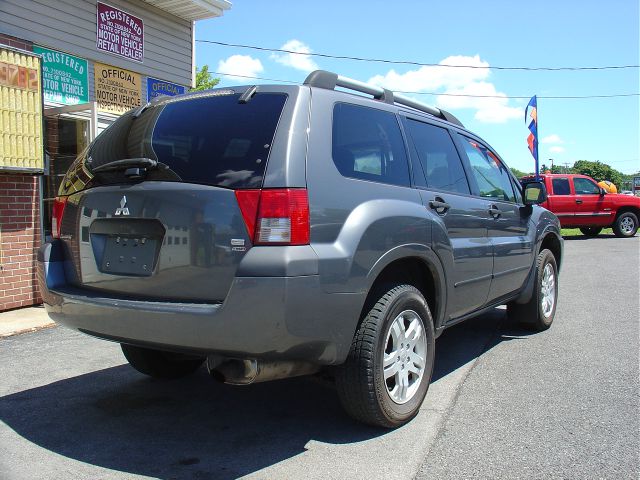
(159, 364)
(388, 370)
(538, 313)
(591, 231)
(626, 225)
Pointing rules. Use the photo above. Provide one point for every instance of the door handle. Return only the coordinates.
(439, 205)
(494, 211)
(578, 201)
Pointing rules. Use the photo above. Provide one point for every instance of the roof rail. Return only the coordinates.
(330, 80)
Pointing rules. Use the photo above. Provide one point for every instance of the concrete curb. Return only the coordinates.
(24, 320)
(27, 330)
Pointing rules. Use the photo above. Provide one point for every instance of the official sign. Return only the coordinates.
(119, 33)
(155, 88)
(64, 77)
(117, 89)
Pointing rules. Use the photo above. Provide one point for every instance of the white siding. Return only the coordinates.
(70, 26)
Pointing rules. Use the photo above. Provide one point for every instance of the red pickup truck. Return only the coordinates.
(579, 202)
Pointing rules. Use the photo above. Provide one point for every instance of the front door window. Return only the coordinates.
(584, 186)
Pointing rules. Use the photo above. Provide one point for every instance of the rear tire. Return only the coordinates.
(388, 370)
(626, 225)
(159, 364)
(538, 313)
(591, 231)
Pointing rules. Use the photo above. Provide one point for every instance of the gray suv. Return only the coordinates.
(271, 231)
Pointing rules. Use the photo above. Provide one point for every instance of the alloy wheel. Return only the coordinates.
(627, 225)
(548, 290)
(404, 356)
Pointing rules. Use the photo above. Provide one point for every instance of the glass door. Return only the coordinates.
(66, 136)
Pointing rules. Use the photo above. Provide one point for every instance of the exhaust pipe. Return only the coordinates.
(244, 371)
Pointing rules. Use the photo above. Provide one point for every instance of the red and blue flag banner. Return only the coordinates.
(532, 140)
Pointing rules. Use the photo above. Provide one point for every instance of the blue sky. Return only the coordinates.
(568, 33)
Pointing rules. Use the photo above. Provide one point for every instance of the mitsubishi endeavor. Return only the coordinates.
(271, 231)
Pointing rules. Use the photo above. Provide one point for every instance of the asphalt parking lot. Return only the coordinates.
(504, 403)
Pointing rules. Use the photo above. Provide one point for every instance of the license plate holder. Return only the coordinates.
(126, 255)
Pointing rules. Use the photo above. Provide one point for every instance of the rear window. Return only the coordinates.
(212, 140)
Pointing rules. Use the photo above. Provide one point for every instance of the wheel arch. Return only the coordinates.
(416, 265)
(549, 239)
(552, 242)
(628, 208)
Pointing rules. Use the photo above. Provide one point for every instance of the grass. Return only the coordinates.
(574, 232)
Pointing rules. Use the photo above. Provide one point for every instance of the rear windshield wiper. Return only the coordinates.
(126, 163)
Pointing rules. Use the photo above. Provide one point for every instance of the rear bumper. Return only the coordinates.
(287, 318)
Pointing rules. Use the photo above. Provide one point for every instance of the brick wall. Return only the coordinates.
(19, 240)
(16, 42)
(19, 228)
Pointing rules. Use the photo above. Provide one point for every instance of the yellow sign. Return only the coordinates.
(117, 89)
(20, 111)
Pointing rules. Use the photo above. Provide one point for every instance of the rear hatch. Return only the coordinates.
(151, 210)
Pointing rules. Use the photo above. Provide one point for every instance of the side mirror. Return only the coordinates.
(603, 192)
(534, 193)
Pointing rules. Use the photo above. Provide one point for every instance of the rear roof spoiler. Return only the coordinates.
(330, 80)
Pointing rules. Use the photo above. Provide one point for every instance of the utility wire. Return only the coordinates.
(407, 62)
(227, 74)
(551, 97)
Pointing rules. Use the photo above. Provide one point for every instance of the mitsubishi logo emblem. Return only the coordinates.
(123, 210)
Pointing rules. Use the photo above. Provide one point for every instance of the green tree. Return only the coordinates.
(519, 173)
(204, 79)
(598, 171)
(553, 169)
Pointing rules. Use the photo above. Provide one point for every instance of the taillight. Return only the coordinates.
(56, 216)
(276, 216)
(248, 202)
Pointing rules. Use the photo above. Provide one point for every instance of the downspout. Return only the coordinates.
(193, 54)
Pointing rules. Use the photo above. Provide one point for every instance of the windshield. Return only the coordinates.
(210, 139)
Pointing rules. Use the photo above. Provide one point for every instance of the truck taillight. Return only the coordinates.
(276, 216)
(56, 216)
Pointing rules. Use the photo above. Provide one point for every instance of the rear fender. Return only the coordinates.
(370, 231)
(430, 261)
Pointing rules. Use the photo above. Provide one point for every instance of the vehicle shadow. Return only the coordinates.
(467, 341)
(196, 428)
(601, 236)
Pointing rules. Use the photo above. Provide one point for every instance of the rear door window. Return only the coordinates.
(368, 145)
(438, 157)
(561, 186)
(210, 139)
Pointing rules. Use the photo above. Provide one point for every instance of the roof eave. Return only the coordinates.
(192, 10)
